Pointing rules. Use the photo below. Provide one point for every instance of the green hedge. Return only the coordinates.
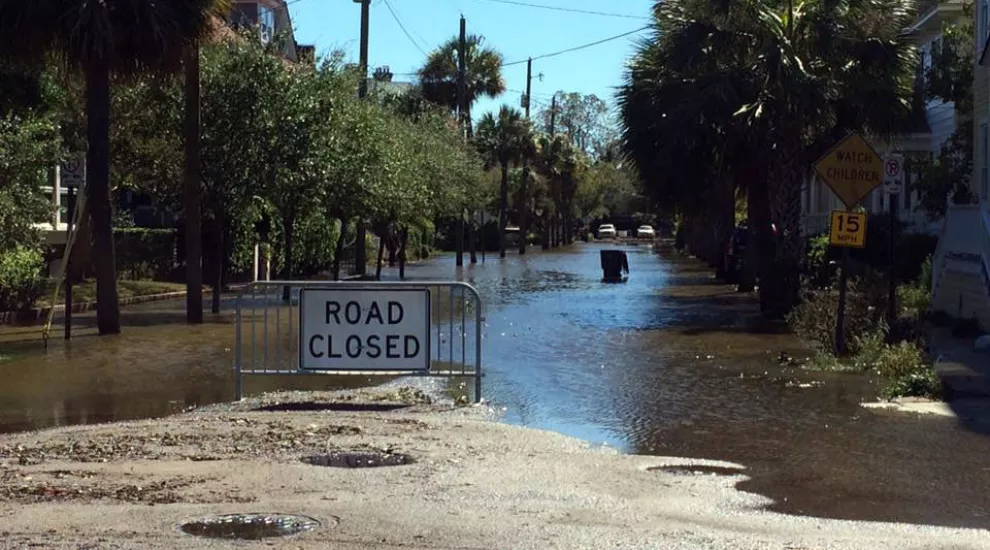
(21, 283)
(144, 254)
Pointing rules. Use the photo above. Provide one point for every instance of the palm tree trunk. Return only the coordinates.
(503, 209)
(472, 241)
(340, 249)
(381, 252)
(288, 227)
(193, 192)
(786, 211)
(459, 239)
(98, 187)
(403, 242)
(220, 254)
(524, 211)
(545, 230)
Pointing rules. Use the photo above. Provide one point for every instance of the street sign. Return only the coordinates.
(848, 229)
(893, 174)
(852, 169)
(364, 330)
(72, 173)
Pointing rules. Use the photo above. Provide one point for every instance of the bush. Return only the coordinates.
(902, 368)
(315, 244)
(145, 253)
(21, 283)
(814, 319)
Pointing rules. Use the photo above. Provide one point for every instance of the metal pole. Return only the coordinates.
(238, 351)
(892, 276)
(66, 257)
(840, 318)
(477, 348)
(360, 252)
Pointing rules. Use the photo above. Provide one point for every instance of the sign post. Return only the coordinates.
(364, 330)
(893, 184)
(72, 176)
(852, 170)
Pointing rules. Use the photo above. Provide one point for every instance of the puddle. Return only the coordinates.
(249, 526)
(310, 406)
(358, 459)
(697, 470)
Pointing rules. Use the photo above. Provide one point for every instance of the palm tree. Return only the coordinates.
(503, 139)
(756, 90)
(483, 74)
(102, 38)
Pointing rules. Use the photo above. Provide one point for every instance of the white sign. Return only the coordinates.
(893, 174)
(72, 173)
(344, 329)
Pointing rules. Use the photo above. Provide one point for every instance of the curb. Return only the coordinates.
(36, 314)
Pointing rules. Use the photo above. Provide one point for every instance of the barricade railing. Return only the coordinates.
(276, 336)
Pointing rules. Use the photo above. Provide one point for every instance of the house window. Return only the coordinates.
(984, 146)
(266, 23)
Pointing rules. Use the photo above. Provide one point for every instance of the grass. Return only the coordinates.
(86, 291)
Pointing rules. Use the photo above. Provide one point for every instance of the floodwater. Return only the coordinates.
(665, 364)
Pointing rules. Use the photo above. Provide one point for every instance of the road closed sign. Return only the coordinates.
(364, 330)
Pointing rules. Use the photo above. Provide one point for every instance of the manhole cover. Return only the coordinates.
(249, 526)
(697, 470)
(358, 459)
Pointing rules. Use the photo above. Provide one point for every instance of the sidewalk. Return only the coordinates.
(964, 371)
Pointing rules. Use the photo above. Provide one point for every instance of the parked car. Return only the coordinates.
(645, 232)
(606, 231)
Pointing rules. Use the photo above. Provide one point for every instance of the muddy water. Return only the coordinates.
(666, 363)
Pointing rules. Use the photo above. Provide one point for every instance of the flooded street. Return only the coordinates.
(664, 364)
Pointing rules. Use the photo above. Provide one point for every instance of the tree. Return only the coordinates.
(101, 38)
(756, 90)
(502, 140)
(483, 74)
(949, 78)
(586, 120)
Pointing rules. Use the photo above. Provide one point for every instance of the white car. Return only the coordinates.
(606, 231)
(645, 232)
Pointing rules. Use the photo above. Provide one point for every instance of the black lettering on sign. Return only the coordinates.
(352, 312)
(412, 346)
(333, 309)
(374, 313)
(330, 353)
(312, 348)
(353, 346)
(374, 349)
(395, 313)
(392, 346)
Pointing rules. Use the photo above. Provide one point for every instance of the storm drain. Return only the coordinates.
(362, 459)
(697, 470)
(249, 526)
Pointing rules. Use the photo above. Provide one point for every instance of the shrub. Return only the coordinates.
(20, 279)
(814, 319)
(902, 368)
(145, 253)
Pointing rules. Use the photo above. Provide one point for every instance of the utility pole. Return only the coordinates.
(547, 216)
(461, 115)
(524, 209)
(360, 254)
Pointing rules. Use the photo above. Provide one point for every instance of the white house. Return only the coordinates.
(936, 125)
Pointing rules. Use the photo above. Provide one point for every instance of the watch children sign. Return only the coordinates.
(365, 330)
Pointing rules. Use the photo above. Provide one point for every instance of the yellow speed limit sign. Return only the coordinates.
(847, 229)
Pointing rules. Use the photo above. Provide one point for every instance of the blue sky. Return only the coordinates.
(516, 31)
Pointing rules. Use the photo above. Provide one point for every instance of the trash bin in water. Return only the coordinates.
(614, 265)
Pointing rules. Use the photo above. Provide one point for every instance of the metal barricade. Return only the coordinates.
(268, 338)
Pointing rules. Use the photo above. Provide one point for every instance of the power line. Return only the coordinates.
(403, 27)
(576, 48)
(571, 10)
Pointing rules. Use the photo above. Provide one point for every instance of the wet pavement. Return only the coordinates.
(666, 363)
